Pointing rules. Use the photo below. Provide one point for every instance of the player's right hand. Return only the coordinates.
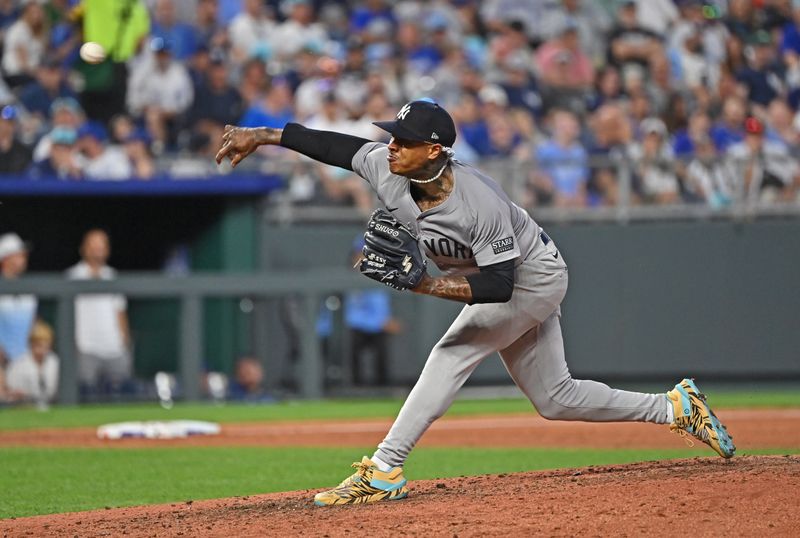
(237, 143)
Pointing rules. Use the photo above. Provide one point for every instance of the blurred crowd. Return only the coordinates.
(28, 366)
(697, 101)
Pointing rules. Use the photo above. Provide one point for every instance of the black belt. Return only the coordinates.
(545, 238)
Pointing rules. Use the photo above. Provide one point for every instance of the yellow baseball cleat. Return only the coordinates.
(695, 417)
(368, 484)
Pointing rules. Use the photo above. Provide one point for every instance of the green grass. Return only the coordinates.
(94, 415)
(42, 481)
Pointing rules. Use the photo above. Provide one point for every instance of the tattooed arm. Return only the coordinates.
(493, 284)
(324, 146)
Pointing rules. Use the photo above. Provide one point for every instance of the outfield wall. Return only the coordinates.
(646, 300)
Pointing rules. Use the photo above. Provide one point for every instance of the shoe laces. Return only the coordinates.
(683, 435)
(361, 472)
(361, 467)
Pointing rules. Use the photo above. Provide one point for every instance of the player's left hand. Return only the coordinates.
(391, 253)
(237, 143)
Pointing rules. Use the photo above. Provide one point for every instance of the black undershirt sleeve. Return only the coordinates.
(494, 283)
(327, 147)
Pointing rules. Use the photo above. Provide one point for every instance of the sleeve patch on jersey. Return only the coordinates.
(503, 245)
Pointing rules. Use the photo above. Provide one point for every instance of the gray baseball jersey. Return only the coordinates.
(476, 226)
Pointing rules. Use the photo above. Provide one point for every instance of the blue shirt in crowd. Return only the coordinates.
(182, 38)
(255, 116)
(17, 313)
(368, 310)
(791, 39)
(567, 167)
(724, 136)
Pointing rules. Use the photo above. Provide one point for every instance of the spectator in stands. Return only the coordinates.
(742, 19)
(14, 155)
(210, 31)
(24, 45)
(611, 136)
(8, 14)
(254, 82)
(608, 87)
(526, 15)
(17, 312)
(64, 112)
(781, 126)
(299, 30)
(33, 378)
(504, 140)
(373, 20)
(101, 161)
(248, 382)
(339, 185)
(676, 114)
(122, 126)
(696, 17)
(654, 162)
(657, 16)
(274, 109)
(61, 163)
(137, 148)
(592, 20)
(728, 130)
(685, 140)
(102, 336)
(39, 95)
(562, 162)
(121, 28)
(639, 108)
(472, 123)
(764, 169)
(311, 92)
(790, 43)
(695, 70)
(420, 56)
(216, 102)
(708, 179)
(368, 316)
(251, 31)
(520, 85)
(182, 36)
(161, 91)
(376, 108)
(762, 76)
(628, 41)
(566, 72)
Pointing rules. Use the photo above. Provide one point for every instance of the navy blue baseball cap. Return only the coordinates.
(93, 129)
(423, 121)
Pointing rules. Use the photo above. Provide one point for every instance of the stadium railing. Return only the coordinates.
(309, 285)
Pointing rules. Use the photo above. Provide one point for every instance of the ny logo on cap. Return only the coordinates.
(404, 111)
(434, 136)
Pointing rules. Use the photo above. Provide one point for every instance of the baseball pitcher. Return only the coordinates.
(495, 259)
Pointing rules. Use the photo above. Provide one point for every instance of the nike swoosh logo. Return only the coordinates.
(555, 255)
(392, 208)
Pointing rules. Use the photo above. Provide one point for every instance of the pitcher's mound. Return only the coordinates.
(745, 496)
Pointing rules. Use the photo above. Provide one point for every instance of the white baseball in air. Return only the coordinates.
(92, 53)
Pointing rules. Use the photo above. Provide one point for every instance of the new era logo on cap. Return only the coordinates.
(424, 121)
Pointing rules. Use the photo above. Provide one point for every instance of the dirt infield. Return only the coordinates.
(746, 496)
(776, 428)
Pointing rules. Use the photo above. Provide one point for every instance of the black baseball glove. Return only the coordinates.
(391, 253)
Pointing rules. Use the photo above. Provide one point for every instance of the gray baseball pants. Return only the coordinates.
(527, 333)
